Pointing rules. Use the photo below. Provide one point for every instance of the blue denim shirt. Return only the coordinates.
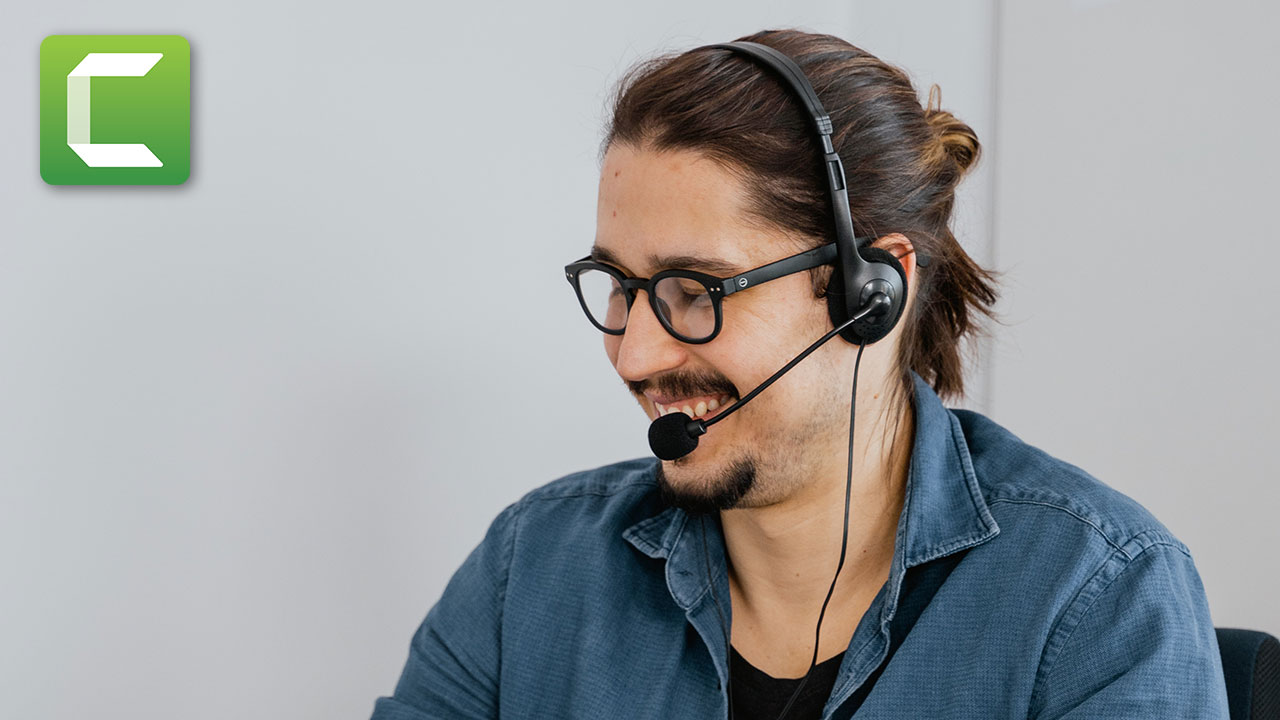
(1064, 599)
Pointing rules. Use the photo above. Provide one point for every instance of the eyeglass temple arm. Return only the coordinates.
(774, 270)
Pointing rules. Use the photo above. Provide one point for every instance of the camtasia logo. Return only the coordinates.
(115, 110)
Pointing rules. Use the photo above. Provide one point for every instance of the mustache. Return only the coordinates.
(684, 385)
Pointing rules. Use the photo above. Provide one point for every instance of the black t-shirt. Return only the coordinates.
(760, 696)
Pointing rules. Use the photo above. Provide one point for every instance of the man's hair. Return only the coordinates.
(902, 162)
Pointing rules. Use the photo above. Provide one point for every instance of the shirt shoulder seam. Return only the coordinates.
(1159, 534)
(1018, 501)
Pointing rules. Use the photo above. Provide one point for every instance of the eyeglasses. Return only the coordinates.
(687, 303)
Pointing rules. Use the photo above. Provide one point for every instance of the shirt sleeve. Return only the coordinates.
(455, 655)
(1136, 642)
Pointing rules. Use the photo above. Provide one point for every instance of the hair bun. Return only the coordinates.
(958, 140)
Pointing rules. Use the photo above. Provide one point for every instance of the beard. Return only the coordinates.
(723, 491)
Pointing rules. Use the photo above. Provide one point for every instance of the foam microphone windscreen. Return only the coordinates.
(669, 436)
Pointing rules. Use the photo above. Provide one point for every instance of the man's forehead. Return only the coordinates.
(675, 210)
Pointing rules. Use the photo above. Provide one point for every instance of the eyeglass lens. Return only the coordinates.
(684, 304)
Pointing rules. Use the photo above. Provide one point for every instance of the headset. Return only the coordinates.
(867, 270)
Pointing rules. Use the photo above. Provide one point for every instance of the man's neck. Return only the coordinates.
(782, 557)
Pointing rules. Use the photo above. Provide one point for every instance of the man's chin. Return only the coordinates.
(730, 482)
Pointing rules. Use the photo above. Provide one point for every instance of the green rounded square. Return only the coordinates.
(117, 105)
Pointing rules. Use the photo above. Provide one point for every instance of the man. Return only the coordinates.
(979, 577)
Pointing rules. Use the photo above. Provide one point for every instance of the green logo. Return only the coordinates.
(115, 110)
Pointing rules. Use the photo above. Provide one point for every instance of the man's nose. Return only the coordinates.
(646, 348)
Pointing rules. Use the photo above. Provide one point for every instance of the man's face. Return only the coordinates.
(656, 206)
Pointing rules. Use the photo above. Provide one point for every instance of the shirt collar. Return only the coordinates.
(943, 509)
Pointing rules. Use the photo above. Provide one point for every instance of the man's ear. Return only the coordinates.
(900, 246)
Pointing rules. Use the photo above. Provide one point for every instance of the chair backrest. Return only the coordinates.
(1251, 667)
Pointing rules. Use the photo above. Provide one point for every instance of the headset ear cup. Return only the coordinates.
(840, 309)
(875, 254)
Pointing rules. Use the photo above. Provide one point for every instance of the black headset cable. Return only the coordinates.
(844, 538)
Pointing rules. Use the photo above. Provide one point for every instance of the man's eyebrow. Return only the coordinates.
(711, 266)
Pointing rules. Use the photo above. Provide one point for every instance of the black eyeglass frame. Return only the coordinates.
(718, 288)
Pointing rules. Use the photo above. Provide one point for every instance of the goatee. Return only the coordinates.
(722, 493)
